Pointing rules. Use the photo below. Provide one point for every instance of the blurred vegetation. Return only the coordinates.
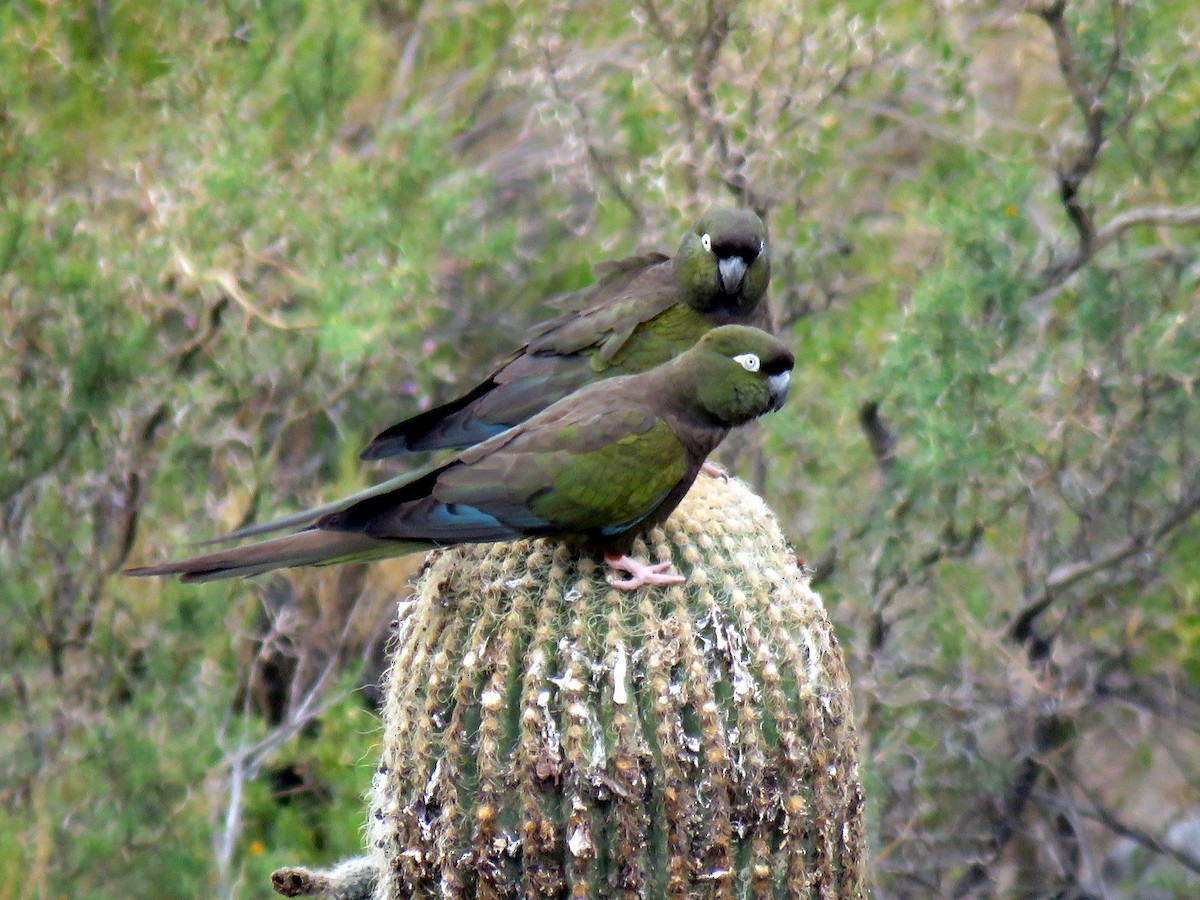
(237, 239)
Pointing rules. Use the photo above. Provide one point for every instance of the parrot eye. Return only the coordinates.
(762, 245)
(749, 361)
(706, 242)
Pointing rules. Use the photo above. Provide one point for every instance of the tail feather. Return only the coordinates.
(306, 548)
(309, 516)
(451, 426)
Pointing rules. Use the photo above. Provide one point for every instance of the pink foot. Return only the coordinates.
(712, 470)
(640, 573)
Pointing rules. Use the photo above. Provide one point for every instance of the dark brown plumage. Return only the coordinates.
(599, 466)
(642, 312)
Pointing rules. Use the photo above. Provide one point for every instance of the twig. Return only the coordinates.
(246, 760)
(1068, 574)
(1106, 817)
(599, 164)
(229, 284)
(1111, 231)
(953, 546)
(1071, 177)
(1145, 215)
(225, 839)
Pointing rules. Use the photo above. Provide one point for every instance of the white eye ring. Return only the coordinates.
(762, 245)
(706, 242)
(749, 361)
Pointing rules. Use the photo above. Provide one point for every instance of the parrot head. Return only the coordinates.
(739, 373)
(723, 265)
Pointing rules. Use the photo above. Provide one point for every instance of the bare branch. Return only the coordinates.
(602, 167)
(1157, 694)
(1166, 216)
(1111, 231)
(1098, 812)
(952, 547)
(246, 760)
(1066, 575)
(702, 98)
(1071, 177)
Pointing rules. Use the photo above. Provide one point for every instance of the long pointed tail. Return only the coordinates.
(309, 516)
(306, 548)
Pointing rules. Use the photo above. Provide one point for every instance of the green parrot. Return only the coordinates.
(598, 467)
(643, 311)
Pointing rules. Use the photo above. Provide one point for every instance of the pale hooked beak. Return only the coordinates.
(732, 270)
(777, 387)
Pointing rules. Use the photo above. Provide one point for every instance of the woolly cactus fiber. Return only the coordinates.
(548, 736)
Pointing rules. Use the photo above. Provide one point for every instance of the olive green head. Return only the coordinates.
(738, 373)
(723, 265)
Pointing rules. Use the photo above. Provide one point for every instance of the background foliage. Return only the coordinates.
(236, 239)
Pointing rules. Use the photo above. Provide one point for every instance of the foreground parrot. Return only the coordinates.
(643, 311)
(599, 467)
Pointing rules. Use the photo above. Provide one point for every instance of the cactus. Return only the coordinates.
(548, 736)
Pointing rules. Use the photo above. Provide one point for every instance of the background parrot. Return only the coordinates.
(643, 311)
(599, 466)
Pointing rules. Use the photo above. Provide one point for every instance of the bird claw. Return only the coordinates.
(640, 573)
(712, 470)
